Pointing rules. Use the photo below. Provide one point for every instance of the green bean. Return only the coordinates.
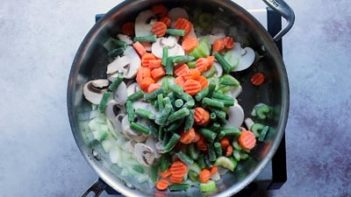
(218, 149)
(176, 89)
(154, 172)
(150, 38)
(172, 97)
(228, 80)
(154, 94)
(169, 66)
(140, 128)
(160, 102)
(193, 176)
(213, 116)
(193, 151)
(167, 101)
(211, 153)
(103, 103)
(202, 94)
(263, 134)
(144, 114)
(182, 113)
(227, 103)
(153, 129)
(235, 132)
(178, 103)
(179, 187)
(162, 118)
(221, 115)
(182, 59)
(189, 121)
(116, 52)
(114, 85)
(208, 134)
(171, 143)
(221, 96)
(175, 32)
(130, 111)
(216, 127)
(136, 96)
(174, 126)
(225, 65)
(164, 56)
(164, 162)
(256, 128)
(207, 102)
(201, 161)
(192, 64)
(184, 158)
(211, 88)
(160, 133)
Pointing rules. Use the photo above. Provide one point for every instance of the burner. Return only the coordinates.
(274, 175)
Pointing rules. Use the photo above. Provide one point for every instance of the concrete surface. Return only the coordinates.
(39, 39)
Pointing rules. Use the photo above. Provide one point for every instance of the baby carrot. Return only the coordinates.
(247, 140)
(139, 48)
(201, 116)
(146, 58)
(192, 74)
(153, 87)
(202, 64)
(166, 20)
(203, 82)
(218, 45)
(187, 137)
(201, 144)
(257, 79)
(145, 83)
(180, 81)
(142, 73)
(165, 174)
(128, 28)
(213, 170)
(229, 151)
(224, 142)
(162, 184)
(184, 24)
(210, 60)
(228, 42)
(181, 70)
(190, 43)
(159, 29)
(204, 176)
(192, 87)
(158, 73)
(157, 63)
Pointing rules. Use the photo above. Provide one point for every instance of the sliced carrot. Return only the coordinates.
(128, 28)
(145, 83)
(192, 87)
(142, 73)
(165, 174)
(180, 81)
(190, 43)
(257, 79)
(146, 58)
(159, 29)
(218, 45)
(202, 144)
(210, 60)
(201, 116)
(247, 140)
(155, 63)
(181, 70)
(204, 176)
(202, 64)
(176, 180)
(203, 81)
(228, 42)
(182, 23)
(139, 48)
(213, 170)
(160, 10)
(225, 142)
(162, 184)
(187, 137)
(229, 151)
(153, 87)
(158, 73)
(192, 74)
(178, 170)
(166, 20)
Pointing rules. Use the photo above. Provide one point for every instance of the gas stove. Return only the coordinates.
(274, 175)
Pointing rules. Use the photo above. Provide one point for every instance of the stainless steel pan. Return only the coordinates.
(91, 60)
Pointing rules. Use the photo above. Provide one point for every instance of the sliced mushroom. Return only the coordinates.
(151, 142)
(174, 48)
(93, 90)
(120, 64)
(115, 115)
(176, 13)
(134, 63)
(132, 88)
(129, 146)
(144, 154)
(121, 94)
(236, 116)
(129, 133)
(125, 38)
(160, 149)
(219, 69)
(143, 23)
(242, 58)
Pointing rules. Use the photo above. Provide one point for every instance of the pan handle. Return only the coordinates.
(97, 188)
(286, 12)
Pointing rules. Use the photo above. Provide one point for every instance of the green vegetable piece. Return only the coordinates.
(165, 162)
(211, 88)
(138, 168)
(184, 158)
(211, 153)
(180, 114)
(192, 64)
(216, 126)
(169, 66)
(244, 156)
(207, 102)
(150, 38)
(221, 96)
(178, 103)
(263, 134)
(226, 103)
(236, 155)
(203, 50)
(160, 102)
(116, 52)
(221, 115)
(233, 132)
(182, 59)
(195, 168)
(103, 103)
(175, 32)
(154, 172)
(236, 146)
(218, 149)
(201, 161)
(112, 43)
(210, 73)
(164, 56)
(228, 80)
(171, 143)
(130, 111)
(256, 129)
(193, 176)
(225, 162)
(154, 94)
(144, 114)
(208, 187)
(202, 94)
(193, 151)
(213, 116)
(179, 187)
(174, 126)
(232, 59)
(114, 85)
(140, 128)
(136, 96)
(208, 134)
(162, 118)
(262, 111)
(189, 121)
(227, 68)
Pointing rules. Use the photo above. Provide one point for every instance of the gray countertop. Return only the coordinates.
(38, 42)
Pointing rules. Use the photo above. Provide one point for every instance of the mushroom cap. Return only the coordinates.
(151, 142)
(121, 94)
(144, 154)
(120, 65)
(143, 23)
(135, 62)
(241, 58)
(174, 49)
(94, 90)
(129, 133)
(236, 116)
(115, 114)
(132, 88)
